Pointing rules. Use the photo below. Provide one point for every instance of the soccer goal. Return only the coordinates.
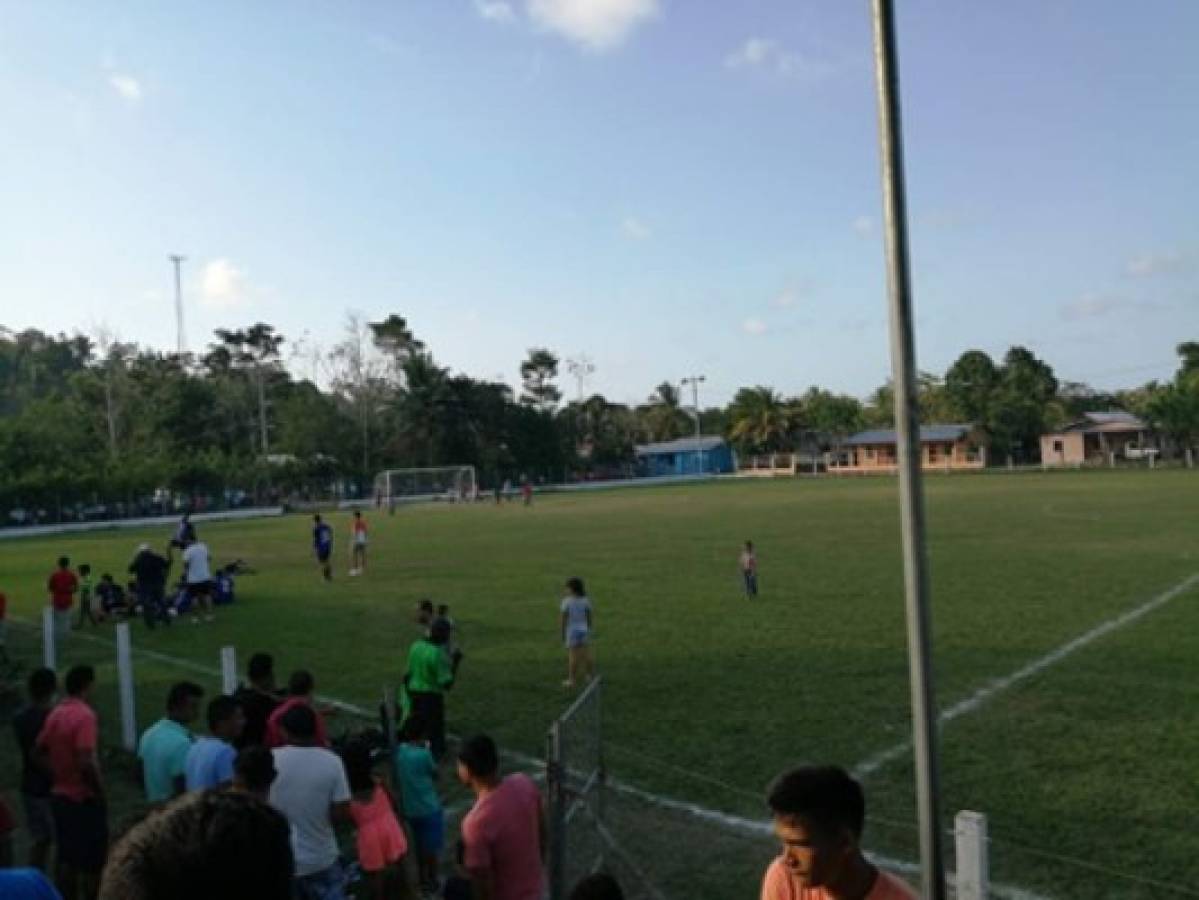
(449, 483)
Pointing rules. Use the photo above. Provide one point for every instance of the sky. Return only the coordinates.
(662, 187)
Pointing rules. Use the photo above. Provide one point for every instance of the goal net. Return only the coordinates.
(450, 483)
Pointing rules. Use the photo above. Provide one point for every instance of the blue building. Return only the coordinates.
(686, 456)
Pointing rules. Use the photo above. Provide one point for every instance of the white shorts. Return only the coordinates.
(360, 540)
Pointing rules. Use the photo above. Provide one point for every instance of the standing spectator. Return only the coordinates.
(209, 762)
(359, 541)
(215, 845)
(597, 886)
(300, 687)
(197, 572)
(422, 806)
(85, 595)
(576, 624)
(380, 840)
(150, 571)
(430, 674)
(504, 832)
(162, 751)
(526, 491)
(254, 772)
(424, 616)
(35, 782)
(819, 812)
(748, 562)
(311, 790)
(63, 584)
(66, 747)
(258, 699)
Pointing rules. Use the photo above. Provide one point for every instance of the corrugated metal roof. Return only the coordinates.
(1114, 421)
(928, 434)
(682, 445)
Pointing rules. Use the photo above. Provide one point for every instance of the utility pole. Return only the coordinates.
(180, 345)
(695, 381)
(581, 368)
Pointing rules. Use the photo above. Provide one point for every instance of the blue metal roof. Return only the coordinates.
(928, 434)
(682, 445)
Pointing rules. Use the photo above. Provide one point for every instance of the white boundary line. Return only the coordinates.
(997, 686)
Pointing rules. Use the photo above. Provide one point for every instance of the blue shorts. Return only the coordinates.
(429, 832)
(323, 553)
(577, 637)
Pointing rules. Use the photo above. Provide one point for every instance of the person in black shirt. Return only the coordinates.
(258, 699)
(35, 782)
(150, 570)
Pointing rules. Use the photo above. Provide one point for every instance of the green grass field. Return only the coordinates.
(708, 695)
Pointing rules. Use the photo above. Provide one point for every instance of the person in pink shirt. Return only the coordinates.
(504, 832)
(66, 747)
(819, 812)
(300, 688)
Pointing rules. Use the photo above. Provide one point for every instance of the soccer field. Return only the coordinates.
(1086, 751)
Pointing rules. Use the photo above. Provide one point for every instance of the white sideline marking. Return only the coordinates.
(998, 685)
(740, 824)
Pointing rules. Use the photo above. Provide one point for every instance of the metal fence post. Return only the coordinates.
(228, 670)
(970, 841)
(49, 656)
(554, 778)
(125, 681)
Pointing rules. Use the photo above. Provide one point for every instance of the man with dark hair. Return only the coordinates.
(504, 832)
(35, 783)
(197, 574)
(62, 585)
(300, 689)
(209, 845)
(150, 571)
(312, 790)
(431, 673)
(162, 751)
(209, 762)
(254, 772)
(66, 748)
(322, 546)
(597, 886)
(819, 813)
(258, 699)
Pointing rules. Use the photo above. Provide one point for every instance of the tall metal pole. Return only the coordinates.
(180, 344)
(911, 490)
(694, 381)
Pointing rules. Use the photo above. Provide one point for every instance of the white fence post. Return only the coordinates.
(228, 670)
(125, 679)
(970, 840)
(49, 657)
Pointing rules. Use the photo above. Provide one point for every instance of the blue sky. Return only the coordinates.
(665, 186)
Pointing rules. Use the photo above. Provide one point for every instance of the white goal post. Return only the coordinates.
(447, 483)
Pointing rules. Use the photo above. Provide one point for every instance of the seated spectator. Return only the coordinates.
(207, 846)
(599, 886)
(26, 884)
(163, 748)
(35, 782)
(300, 688)
(258, 699)
(504, 832)
(112, 598)
(819, 812)
(422, 806)
(380, 840)
(209, 762)
(254, 772)
(311, 790)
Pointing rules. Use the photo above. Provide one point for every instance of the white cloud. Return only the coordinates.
(1149, 264)
(864, 226)
(222, 284)
(768, 55)
(1091, 306)
(634, 229)
(594, 24)
(754, 326)
(787, 299)
(127, 86)
(495, 10)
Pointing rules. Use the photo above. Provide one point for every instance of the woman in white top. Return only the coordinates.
(576, 632)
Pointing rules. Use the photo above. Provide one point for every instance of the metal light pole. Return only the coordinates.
(177, 261)
(695, 381)
(581, 368)
(907, 421)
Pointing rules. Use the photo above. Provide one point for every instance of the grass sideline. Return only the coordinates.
(709, 696)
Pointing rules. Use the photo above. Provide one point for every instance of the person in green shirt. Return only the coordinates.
(86, 586)
(162, 751)
(431, 673)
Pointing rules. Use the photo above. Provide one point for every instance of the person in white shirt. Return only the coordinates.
(576, 626)
(197, 574)
(312, 791)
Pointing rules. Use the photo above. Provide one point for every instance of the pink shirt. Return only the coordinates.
(70, 729)
(777, 885)
(502, 834)
(274, 730)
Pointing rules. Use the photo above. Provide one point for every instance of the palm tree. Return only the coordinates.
(663, 417)
(761, 420)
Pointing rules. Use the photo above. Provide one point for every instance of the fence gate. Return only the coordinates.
(575, 782)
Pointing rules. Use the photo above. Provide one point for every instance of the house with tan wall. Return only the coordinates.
(1097, 438)
(947, 448)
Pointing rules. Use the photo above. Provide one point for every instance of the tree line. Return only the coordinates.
(89, 417)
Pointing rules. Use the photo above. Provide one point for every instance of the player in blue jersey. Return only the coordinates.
(322, 543)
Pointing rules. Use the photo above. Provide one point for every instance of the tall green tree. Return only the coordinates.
(537, 373)
(761, 421)
(662, 417)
